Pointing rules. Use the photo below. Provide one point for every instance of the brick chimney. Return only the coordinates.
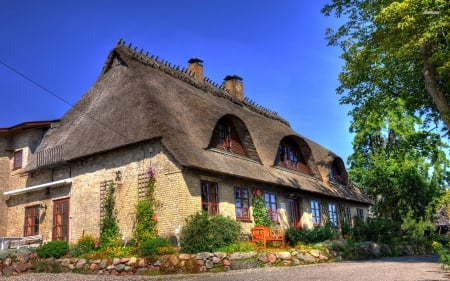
(234, 85)
(195, 66)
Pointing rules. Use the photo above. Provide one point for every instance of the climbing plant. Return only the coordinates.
(260, 213)
(109, 227)
(145, 212)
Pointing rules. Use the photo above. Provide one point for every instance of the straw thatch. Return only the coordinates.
(138, 98)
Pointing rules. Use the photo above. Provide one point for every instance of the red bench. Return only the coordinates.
(262, 236)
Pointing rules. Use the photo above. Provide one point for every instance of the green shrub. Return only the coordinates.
(155, 246)
(55, 249)
(310, 236)
(85, 245)
(207, 234)
(377, 230)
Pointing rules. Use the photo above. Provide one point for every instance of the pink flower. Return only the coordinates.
(150, 171)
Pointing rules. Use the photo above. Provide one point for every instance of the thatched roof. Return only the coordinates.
(138, 98)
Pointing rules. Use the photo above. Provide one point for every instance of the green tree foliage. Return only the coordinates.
(395, 48)
(109, 227)
(401, 166)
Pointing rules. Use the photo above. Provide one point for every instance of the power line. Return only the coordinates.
(60, 98)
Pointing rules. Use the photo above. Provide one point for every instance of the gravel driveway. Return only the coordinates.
(409, 268)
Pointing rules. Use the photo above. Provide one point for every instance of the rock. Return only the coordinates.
(8, 271)
(119, 267)
(103, 263)
(200, 262)
(306, 257)
(284, 255)
(226, 262)
(209, 264)
(323, 257)
(116, 261)
(127, 268)
(81, 263)
(220, 255)
(110, 268)
(315, 253)
(173, 260)
(216, 260)
(271, 258)
(71, 266)
(7, 262)
(295, 262)
(184, 257)
(132, 261)
(203, 256)
(142, 263)
(242, 256)
(243, 264)
(124, 260)
(376, 249)
(93, 267)
(65, 262)
(263, 258)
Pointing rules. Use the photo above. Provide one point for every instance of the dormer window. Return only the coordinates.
(337, 172)
(231, 135)
(290, 156)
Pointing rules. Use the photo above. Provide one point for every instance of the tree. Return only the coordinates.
(399, 48)
(400, 165)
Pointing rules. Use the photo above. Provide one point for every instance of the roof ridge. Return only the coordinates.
(187, 76)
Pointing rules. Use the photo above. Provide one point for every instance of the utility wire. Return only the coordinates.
(60, 98)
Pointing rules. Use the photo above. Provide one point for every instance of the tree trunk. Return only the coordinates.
(436, 94)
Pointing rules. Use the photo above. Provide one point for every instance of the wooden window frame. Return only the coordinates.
(31, 221)
(60, 230)
(209, 192)
(270, 202)
(18, 159)
(332, 214)
(242, 199)
(360, 213)
(315, 212)
(290, 156)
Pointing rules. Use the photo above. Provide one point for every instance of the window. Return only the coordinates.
(210, 197)
(315, 212)
(332, 213)
(270, 201)
(61, 220)
(227, 136)
(31, 224)
(289, 156)
(17, 159)
(347, 215)
(241, 203)
(337, 172)
(360, 213)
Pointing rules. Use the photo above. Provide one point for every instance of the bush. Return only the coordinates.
(155, 246)
(207, 234)
(377, 230)
(55, 249)
(310, 236)
(85, 245)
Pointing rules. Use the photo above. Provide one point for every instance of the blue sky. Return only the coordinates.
(277, 47)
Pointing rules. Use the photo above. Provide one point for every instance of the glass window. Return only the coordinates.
(241, 203)
(210, 197)
(31, 225)
(315, 212)
(332, 213)
(360, 213)
(61, 220)
(270, 201)
(18, 159)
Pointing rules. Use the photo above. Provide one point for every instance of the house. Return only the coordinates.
(211, 148)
